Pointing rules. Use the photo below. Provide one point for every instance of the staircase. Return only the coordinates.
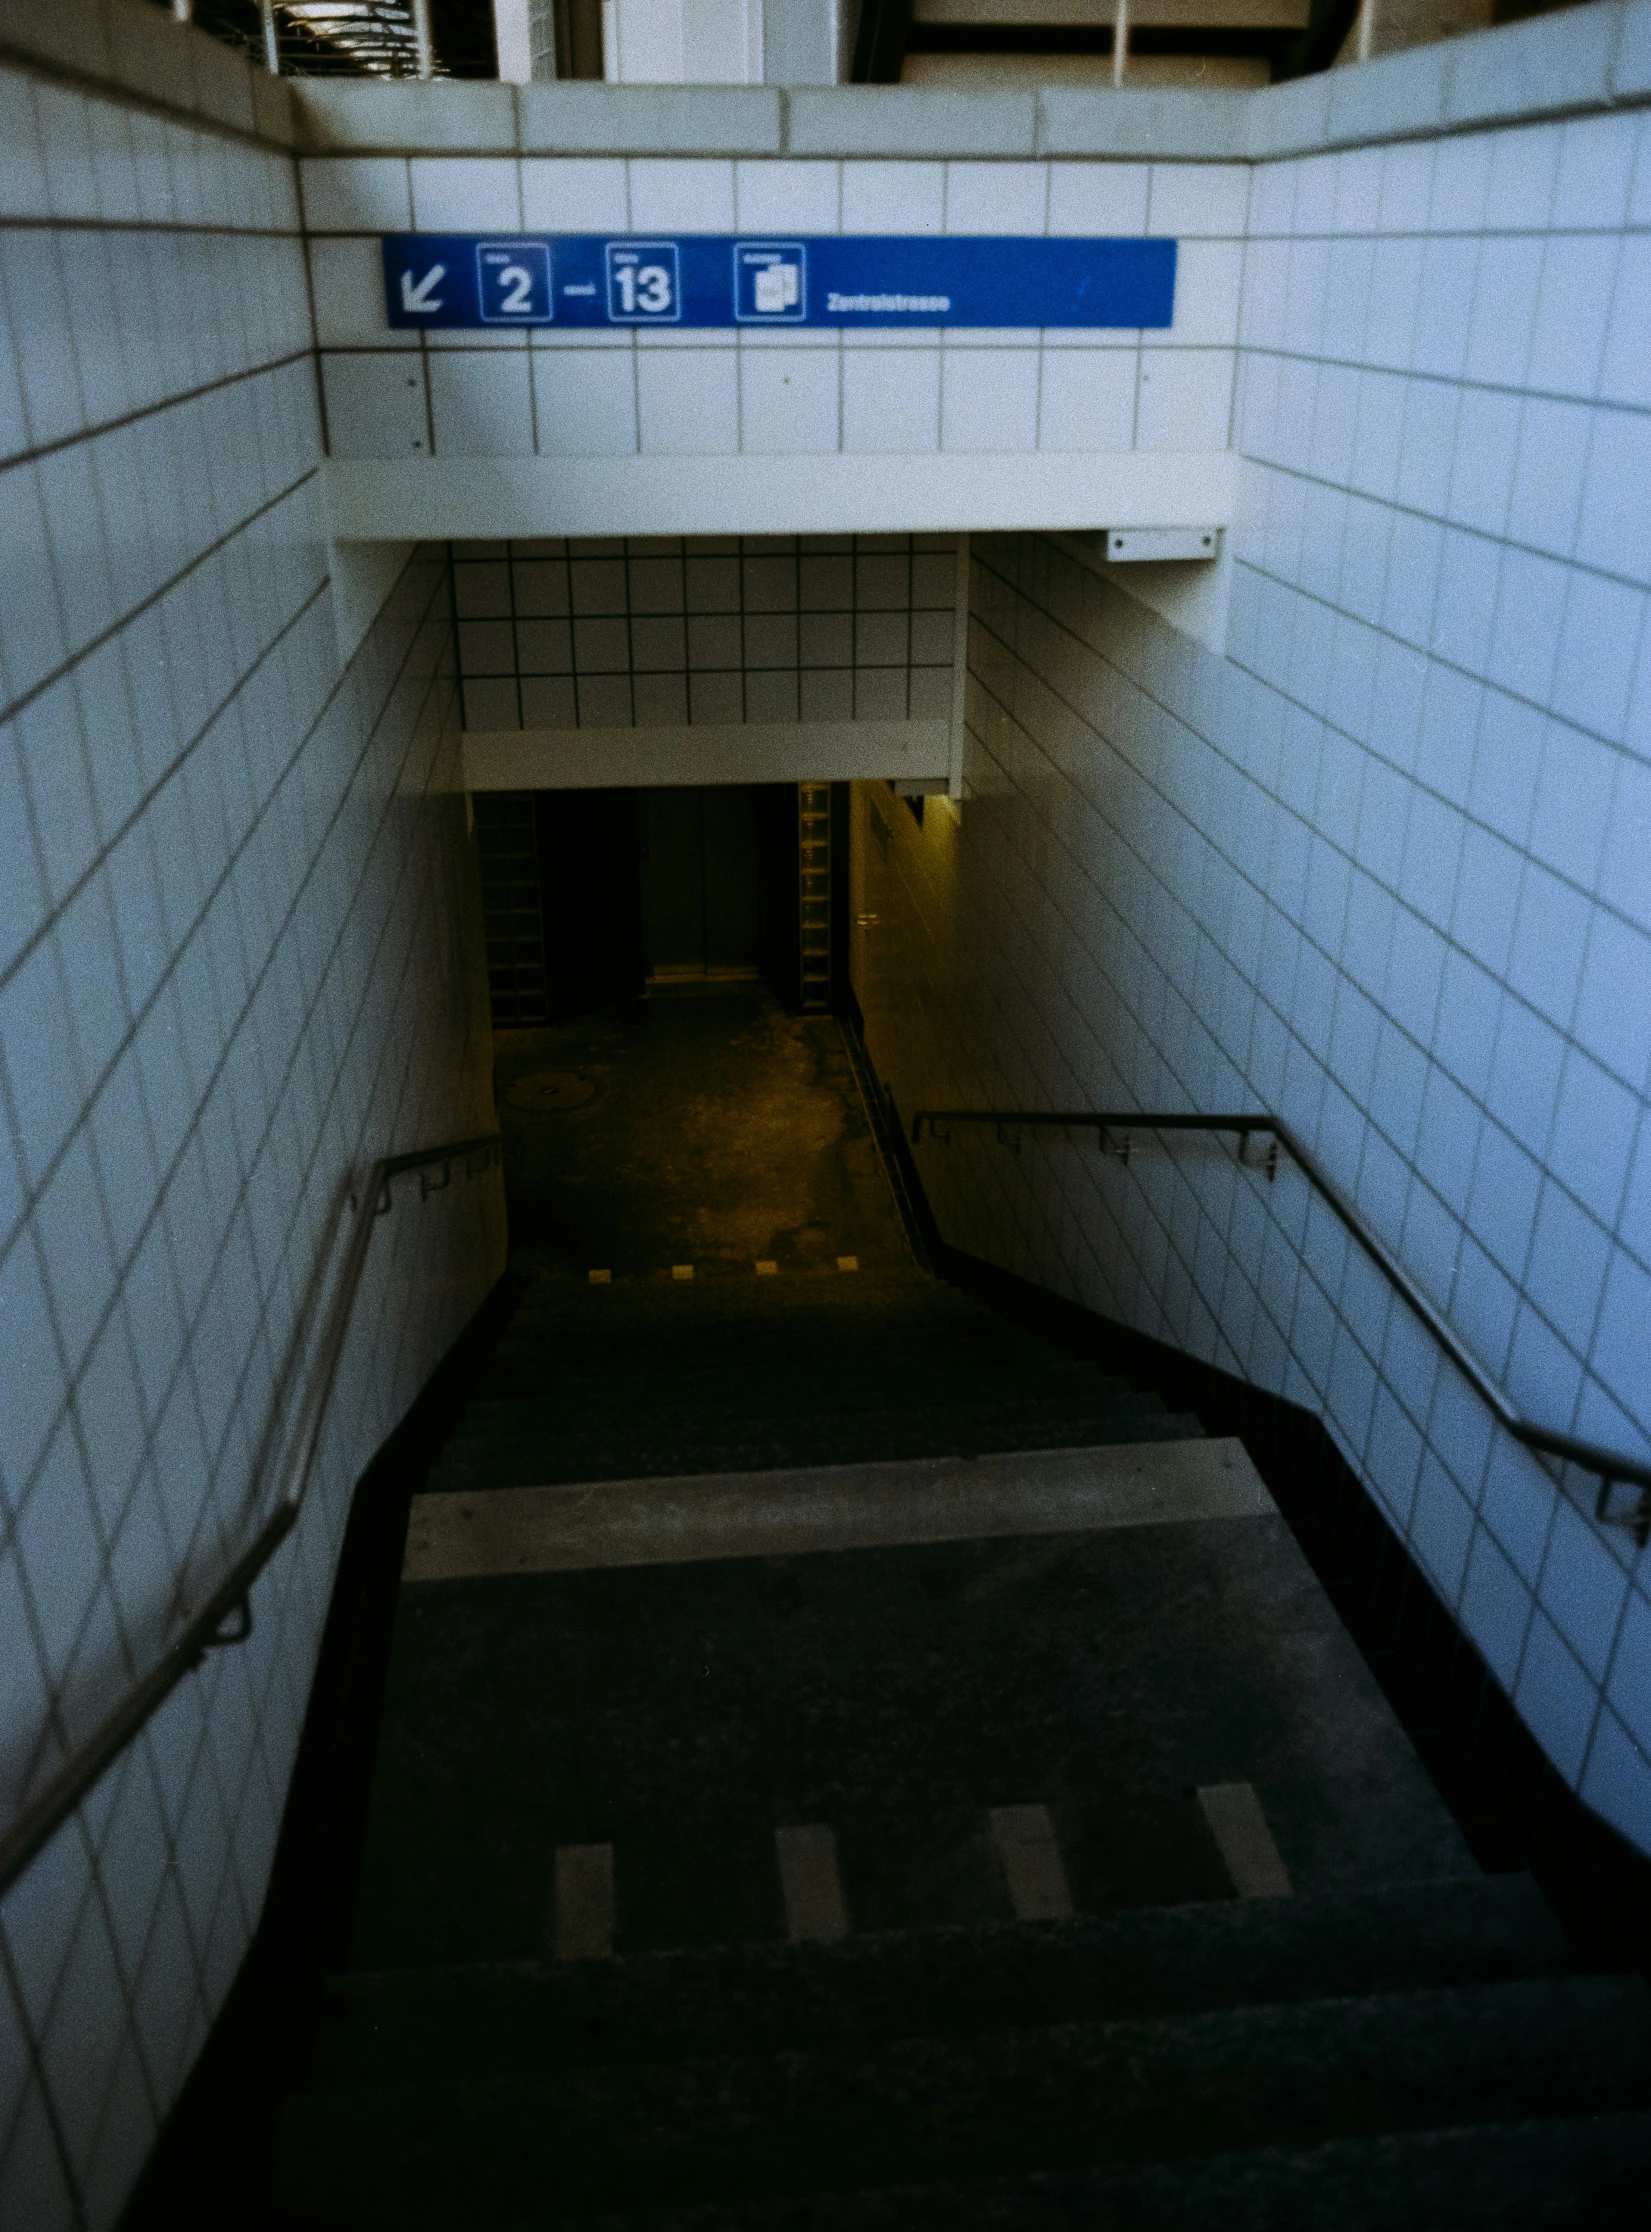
(739, 1374)
(1400, 2040)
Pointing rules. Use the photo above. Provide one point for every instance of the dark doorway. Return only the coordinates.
(701, 886)
(589, 890)
(719, 887)
(593, 898)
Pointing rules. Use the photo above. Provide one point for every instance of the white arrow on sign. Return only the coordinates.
(419, 297)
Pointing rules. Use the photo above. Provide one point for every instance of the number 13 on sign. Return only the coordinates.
(644, 283)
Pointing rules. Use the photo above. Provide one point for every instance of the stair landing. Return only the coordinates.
(677, 1669)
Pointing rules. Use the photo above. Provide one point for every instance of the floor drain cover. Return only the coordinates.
(548, 1092)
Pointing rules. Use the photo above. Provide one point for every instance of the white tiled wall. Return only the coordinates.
(1383, 869)
(691, 393)
(238, 956)
(660, 630)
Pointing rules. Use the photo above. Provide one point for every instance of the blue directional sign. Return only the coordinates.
(708, 279)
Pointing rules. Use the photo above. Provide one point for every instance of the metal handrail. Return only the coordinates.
(1612, 1467)
(226, 1616)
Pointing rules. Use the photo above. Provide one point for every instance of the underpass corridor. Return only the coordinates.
(825, 1115)
(847, 1760)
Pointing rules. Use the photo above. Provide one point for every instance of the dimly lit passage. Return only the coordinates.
(716, 1132)
(825, 1115)
(782, 1791)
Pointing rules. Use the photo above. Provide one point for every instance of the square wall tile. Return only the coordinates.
(1088, 400)
(548, 702)
(880, 694)
(661, 700)
(1207, 275)
(466, 193)
(481, 403)
(347, 279)
(1199, 200)
(356, 194)
(997, 197)
(826, 694)
(1595, 174)
(1185, 399)
(788, 401)
(585, 402)
(716, 697)
(891, 401)
(681, 196)
(492, 703)
(689, 402)
(575, 194)
(779, 197)
(894, 197)
(989, 400)
(1617, 1780)
(1556, 1698)
(1100, 200)
(375, 405)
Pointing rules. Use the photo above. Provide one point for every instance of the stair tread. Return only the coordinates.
(1140, 2091)
(709, 1301)
(552, 1399)
(871, 1371)
(1555, 2174)
(768, 1994)
(840, 1439)
(544, 1421)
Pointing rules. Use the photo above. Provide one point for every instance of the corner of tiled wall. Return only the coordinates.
(239, 956)
(1381, 870)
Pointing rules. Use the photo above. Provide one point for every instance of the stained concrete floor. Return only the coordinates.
(717, 1131)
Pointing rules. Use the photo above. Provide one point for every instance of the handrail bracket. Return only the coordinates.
(1114, 1131)
(1267, 1160)
(1637, 1521)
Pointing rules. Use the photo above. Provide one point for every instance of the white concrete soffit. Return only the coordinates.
(915, 753)
(424, 499)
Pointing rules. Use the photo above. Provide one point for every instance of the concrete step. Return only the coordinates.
(710, 1333)
(627, 1449)
(740, 2128)
(533, 1421)
(641, 1301)
(1566, 2174)
(868, 1334)
(672, 1518)
(480, 2019)
(838, 1332)
(872, 1377)
(553, 1289)
(896, 1366)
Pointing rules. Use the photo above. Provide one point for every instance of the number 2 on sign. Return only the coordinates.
(517, 300)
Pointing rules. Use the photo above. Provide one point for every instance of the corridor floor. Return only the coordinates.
(718, 1132)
